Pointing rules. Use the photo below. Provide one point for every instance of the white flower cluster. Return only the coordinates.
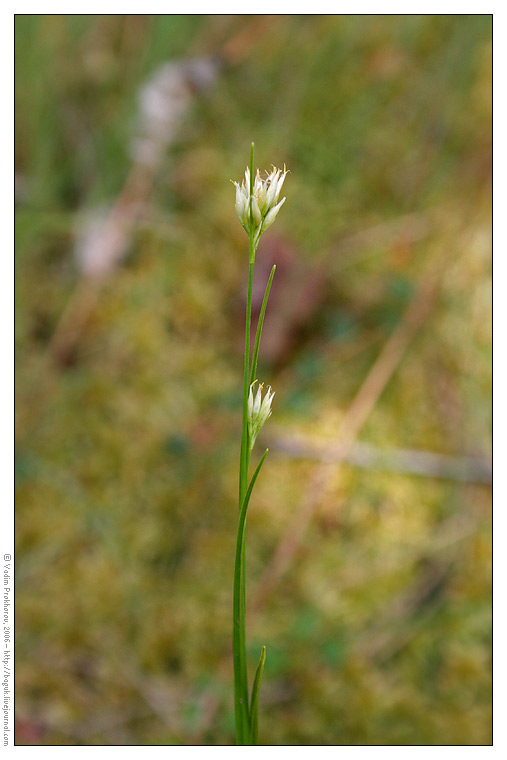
(259, 410)
(265, 205)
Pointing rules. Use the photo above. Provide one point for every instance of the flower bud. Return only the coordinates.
(257, 213)
(259, 411)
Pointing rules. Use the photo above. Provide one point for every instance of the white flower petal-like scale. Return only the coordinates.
(259, 411)
(257, 213)
(271, 215)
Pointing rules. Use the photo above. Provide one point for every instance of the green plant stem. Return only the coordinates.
(241, 709)
(245, 721)
(245, 448)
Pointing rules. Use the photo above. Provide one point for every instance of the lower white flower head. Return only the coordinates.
(259, 410)
(264, 200)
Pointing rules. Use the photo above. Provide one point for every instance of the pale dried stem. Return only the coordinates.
(117, 229)
(406, 461)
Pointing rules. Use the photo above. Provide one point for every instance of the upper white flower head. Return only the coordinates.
(259, 410)
(265, 204)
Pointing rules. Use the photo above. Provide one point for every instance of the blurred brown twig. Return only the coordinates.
(411, 461)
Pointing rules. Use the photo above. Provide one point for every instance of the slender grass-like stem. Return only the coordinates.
(255, 413)
(239, 627)
(239, 644)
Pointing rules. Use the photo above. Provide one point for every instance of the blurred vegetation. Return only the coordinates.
(379, 631)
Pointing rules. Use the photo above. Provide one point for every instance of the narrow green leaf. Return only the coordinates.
(254, 704)
(238, 630)
(259, 326)
(245, 716)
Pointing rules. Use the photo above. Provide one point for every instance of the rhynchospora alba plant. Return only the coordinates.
(257, 205)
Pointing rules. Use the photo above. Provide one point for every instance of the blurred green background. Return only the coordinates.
(131, 269)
